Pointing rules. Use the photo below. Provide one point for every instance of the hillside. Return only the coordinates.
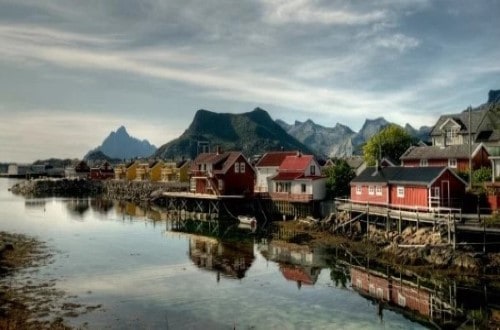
(251, 132)
(121, 145)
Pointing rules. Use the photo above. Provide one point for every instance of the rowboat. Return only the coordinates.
(245, 219)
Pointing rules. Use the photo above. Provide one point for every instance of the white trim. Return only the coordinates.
(441, 173)
(371, 190)
(359, 189)
(452, 162)
(378, 190)
(446, 122)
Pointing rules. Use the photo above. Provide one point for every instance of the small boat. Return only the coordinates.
(245, 219)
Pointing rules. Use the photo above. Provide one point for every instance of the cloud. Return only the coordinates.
(308, 12)
(397, 41)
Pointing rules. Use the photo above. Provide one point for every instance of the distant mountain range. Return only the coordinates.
(252, 133)
(340, 140)
(121, 145)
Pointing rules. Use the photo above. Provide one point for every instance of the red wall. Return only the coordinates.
(456, 193)
(238, 183)
(414, 196)
(365, 197)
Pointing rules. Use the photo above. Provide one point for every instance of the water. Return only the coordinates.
(147, 274)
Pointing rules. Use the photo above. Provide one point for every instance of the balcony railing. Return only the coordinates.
(284, 196)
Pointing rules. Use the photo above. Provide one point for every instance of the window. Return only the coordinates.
(359, 190)
(452, 162)
(313, 170)
(401, 192)
(371, 190)
(378, 191)
(220, 184)
(303, 188)
(424, 163)
(236, 167)
(242, 167)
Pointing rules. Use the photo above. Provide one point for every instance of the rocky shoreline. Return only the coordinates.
(137, 191)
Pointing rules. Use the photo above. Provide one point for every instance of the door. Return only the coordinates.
(445, 193)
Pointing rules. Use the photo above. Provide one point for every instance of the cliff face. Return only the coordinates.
(340, 140)
(251, 132)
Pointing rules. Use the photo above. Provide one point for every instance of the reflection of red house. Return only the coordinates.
(300, 274)
(424, 187)
(395, 291)
(227, 173)
(103, 172)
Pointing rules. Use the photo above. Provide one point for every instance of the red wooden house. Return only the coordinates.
(103, 172)
(453, 156)
(227, 173)
(422, 187)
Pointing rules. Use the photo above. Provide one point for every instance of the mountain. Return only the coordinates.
(251, 132)
(340, 140)
(319, 137)
(121, 145)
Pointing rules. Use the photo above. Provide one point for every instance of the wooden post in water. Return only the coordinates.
(399, 223)
(367, 221)
(417, 220)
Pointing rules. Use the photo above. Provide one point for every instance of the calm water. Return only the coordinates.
(147, 274)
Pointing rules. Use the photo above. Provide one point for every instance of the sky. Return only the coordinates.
(72, 71)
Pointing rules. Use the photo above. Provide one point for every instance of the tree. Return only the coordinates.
(339, 176)
(390, 142)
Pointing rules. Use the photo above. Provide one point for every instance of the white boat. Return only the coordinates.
(245, 219)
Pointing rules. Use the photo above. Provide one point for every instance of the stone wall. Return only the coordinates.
(139, 190)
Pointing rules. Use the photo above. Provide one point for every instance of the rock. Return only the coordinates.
(466, 261)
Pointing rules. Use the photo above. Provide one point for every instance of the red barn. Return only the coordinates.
(227, 173)
(454, 156)
(103, 172)
(423, 187)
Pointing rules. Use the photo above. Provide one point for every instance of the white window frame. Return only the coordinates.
(312, 169)
(359, 190)
(242, 167)
(303, 188)
(452, 163)
(236, 167)
(424, 163)
(401, 300)
(378, 190)
(220, 184)
(371, 190)
(400, 191)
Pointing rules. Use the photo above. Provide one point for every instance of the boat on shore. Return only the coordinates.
(247, 220)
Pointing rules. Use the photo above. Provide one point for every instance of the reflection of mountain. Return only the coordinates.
(229, 259)
(77, 206)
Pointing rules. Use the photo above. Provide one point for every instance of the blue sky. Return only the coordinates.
(72, 71)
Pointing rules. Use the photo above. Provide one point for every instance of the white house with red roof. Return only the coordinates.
(299, 179)
(267, 167)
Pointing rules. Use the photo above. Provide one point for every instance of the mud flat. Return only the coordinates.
(26, 302)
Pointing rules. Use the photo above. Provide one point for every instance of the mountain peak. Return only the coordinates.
(121, 130)
(121, 145)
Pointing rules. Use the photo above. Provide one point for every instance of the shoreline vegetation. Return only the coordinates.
(27, 302)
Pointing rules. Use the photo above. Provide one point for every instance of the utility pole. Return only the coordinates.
(470, 147)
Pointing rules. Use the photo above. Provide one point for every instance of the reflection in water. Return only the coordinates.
(226, 250)
(77, 206)
(229, 259)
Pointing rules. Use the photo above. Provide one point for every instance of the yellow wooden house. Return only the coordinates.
(183, 170)
(155, 171)
(131, 173)
(120, 172)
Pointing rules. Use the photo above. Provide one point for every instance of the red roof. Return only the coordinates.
(274, 158)
(220, 162)
(296, 163)
(296, 273)
(286, 176)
